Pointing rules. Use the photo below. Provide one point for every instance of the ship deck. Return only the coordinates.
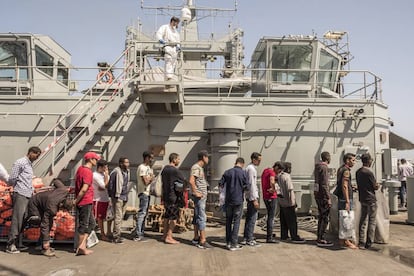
(156, 258)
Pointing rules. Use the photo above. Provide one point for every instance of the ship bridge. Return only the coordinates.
(30, 63)
(298, 66)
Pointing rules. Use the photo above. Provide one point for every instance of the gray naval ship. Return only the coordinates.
(297, 98)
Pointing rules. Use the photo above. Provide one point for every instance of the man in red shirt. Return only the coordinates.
(269, 198)
(84, 200)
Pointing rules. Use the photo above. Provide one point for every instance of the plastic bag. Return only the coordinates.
(178, 186)
(92, 240)
(346, 224)
(156, 185)
(222, 195)
(3, 174)
(109, 213)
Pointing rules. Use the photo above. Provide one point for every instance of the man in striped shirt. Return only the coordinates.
(21, 180)
(199, 185)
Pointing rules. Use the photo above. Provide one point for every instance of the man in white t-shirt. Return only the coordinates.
(252, 198)
(404, 170)
(101, 198)
(145, 175)
(169, 37)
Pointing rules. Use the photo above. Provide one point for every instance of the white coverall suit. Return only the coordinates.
(171, 38)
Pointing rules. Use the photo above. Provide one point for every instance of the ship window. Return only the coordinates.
(291, 57)
(329, 63)
(260, 67)
(44, 61)
(62, 74)
(13, 54)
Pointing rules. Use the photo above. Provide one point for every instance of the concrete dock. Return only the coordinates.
(156, 258)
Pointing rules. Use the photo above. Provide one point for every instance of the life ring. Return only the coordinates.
(105, 77)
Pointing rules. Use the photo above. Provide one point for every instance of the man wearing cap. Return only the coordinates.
(199, 185)
(84, 201)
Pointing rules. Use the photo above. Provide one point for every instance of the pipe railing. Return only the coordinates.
(353, 84)
(81, 111)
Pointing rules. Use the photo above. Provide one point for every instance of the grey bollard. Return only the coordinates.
(393, 190)
(410, 199)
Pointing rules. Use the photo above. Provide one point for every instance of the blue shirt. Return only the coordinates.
(235, 182)
(21, 177)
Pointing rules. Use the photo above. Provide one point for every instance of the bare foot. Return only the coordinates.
(81, 251)
(350, 245)
(171, 241)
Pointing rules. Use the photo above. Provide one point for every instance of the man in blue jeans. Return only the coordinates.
(118, 189)
(234, 181)
(252, 197)
(367, 185)
(269, 179)
(199, 185)
(145, 175)
(404, 170)
(21, 180)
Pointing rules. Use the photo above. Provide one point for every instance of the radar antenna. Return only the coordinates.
(339, 42)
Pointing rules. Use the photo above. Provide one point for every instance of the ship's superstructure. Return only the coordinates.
(291, 103)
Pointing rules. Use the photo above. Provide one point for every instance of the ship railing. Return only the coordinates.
(41, 84)
(84, 112)
(317, 83)
(11, 81)
(350, 84)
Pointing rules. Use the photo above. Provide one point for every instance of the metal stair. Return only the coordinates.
(81, 127)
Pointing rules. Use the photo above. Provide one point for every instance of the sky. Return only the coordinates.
(380, 32)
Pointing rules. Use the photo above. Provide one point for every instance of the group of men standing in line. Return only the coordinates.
(92, 202)
(238, 182)
(366, 187)
(95, 191)
(277, 184)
